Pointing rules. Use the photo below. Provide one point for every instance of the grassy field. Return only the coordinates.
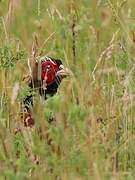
(93, 137)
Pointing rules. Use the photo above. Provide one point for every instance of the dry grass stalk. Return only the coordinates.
(10, 12)
(105, 54)
(15, 92)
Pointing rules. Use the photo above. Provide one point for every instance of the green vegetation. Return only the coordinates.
(93, 135)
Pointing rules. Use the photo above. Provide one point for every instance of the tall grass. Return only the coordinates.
(92, 136)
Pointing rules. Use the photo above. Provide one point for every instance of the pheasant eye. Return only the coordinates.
(47, 67)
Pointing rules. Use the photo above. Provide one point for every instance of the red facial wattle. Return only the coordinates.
(48, 71)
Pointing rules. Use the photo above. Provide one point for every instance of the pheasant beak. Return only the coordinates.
(63, 72)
